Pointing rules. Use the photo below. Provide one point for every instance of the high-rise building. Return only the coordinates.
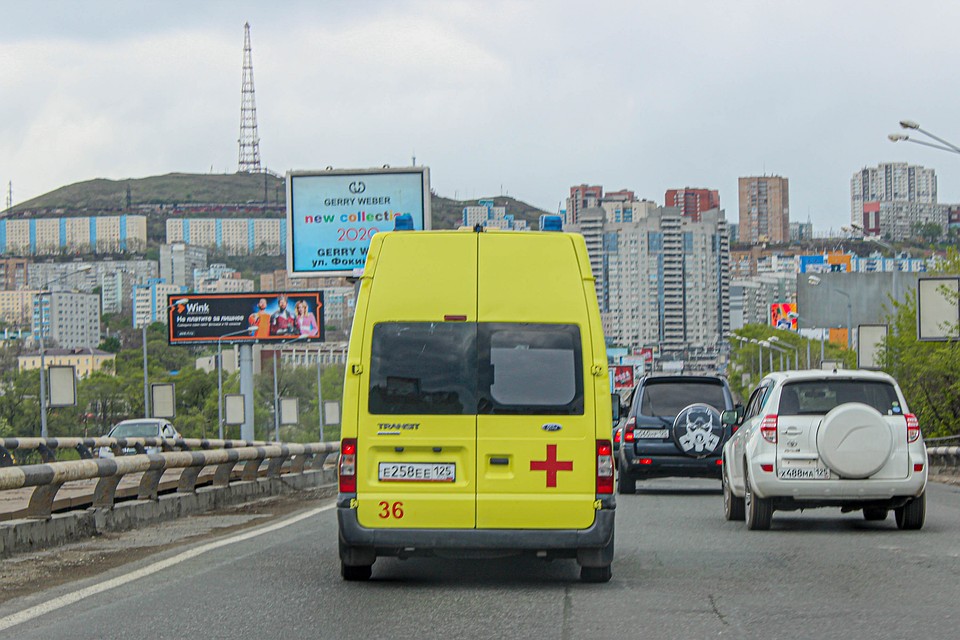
(692, 202)
(178, 262)
(889, 199)
(662, 281)
(582, 197)
(888, 182)
(150, 301)
(70, 320)
(764, 209)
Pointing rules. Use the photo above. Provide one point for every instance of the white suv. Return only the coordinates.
(842, 438)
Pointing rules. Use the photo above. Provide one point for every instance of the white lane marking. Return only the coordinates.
(52, 605)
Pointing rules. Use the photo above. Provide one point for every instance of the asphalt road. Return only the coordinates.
(680, 571)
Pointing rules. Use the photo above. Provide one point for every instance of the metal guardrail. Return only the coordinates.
(49, 478)
(86, 447)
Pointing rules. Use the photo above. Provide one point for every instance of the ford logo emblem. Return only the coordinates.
(552, 426)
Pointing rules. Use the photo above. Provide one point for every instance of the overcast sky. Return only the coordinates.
(513, 97)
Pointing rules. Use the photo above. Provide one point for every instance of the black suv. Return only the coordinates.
(673, 428)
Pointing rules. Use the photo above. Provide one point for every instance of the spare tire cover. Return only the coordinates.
(697, 430)
(854, 440)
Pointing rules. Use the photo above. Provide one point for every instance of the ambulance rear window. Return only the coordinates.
(530, 369)
(466, 368)
(423, 368)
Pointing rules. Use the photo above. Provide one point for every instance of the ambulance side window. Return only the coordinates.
(423, 368)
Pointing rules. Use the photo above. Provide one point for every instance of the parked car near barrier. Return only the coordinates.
(841, 438)
(140, 428)
(673, 428)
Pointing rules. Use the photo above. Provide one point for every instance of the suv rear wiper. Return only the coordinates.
(656, 415)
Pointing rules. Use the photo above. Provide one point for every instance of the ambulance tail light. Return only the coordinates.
(913, 427)
(348, 465)
(604, 467)
(768, 429)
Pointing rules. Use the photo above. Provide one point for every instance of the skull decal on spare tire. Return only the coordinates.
(698, 431)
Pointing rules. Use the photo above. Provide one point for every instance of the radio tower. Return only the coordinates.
(249, 140)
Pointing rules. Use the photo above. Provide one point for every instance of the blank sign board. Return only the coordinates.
(289, 410)
(234, 412)
(63, 386)
(870, 345)
(164, 403)
(938, 312)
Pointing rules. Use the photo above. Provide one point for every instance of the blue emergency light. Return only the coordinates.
(551, 223)
(403, 222)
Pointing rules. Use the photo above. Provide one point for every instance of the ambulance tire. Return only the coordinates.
(353, 573)
(596, 574)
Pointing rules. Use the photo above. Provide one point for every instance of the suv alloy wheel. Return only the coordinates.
(759, 511)
(733, 507)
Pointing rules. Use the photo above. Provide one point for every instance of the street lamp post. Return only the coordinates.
(769, 345)
(815, 281)
(759, 344)
(146, 383)
(220, 375)
(849, 316)
(796, 351)
(320, 389)
(43, 360)
(910, 124)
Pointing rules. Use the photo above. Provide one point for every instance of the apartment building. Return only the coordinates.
(231, 236)
(179, 261)
(16, 307)
(764, 209)
(662, 281)
(280, 281)
(692, 202)
(93, 234)
(582, 197)
(84, 360)
(69, 320)
(486, 214)
(150, 301)
(13, 273)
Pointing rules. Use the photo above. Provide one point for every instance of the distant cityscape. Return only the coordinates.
(673, 279)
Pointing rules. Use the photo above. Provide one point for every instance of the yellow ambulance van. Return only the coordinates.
(476, 405)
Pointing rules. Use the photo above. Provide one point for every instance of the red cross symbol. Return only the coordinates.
(551, 465)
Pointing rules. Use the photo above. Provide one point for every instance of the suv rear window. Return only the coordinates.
(445, 368)
(817, 397)
(668, 398)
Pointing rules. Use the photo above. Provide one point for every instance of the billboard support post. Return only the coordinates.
(320, 392)
(246, 389)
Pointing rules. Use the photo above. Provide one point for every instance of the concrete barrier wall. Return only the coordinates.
(18, 536)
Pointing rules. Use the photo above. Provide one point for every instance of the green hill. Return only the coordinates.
(224, 192)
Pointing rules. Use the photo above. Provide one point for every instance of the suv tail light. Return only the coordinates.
(768, 429)
(604, 467)
(348, 465)
(628, 429)
(913, 427)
